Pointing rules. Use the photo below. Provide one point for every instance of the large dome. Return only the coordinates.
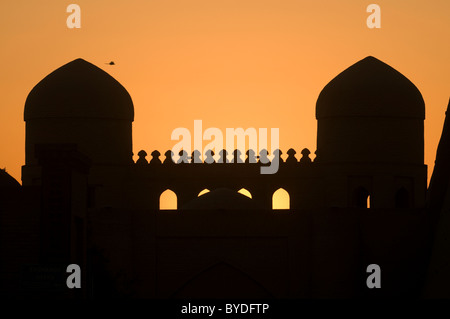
(79, 89)
(370, 88)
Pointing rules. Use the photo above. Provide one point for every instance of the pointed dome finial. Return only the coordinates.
(370, 88)
(79, 89)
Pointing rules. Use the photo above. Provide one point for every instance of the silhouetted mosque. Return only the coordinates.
(362, 200)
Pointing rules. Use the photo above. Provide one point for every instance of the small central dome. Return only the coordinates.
(79, 89)
(221, 198)
(370, 88)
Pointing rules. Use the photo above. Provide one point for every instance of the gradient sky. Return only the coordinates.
(230, 63)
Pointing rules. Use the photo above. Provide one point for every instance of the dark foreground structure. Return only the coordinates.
(362, 200)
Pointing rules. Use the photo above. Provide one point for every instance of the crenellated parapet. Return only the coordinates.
(251, 157)
(188, 175)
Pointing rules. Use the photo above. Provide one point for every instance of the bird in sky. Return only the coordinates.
(111, 63)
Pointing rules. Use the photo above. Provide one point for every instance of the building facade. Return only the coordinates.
(361, 200)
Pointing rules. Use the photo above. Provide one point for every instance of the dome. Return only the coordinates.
(221, 198)
(79, 89)
(7, 181)
(370, 88)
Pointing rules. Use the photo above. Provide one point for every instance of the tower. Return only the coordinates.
(370, 138)
(80, 104)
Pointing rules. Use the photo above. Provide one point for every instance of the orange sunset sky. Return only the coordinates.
(230, 63)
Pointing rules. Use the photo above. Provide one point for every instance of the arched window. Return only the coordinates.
(203, 192)
(168, 200)
(402, 198)
(362, 198)
(280, 199)
(245, 192)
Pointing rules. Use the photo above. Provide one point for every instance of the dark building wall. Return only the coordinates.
(19, 241)
(371, 140)
(297, 253)
(104, 141)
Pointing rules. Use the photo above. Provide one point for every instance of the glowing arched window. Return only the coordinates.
(168, 200)
(245, 192)
(362, 198)
(203, 192)
(280, 199)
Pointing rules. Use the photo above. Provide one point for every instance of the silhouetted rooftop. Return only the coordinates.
(7, 181)
(440, 179)
(79, 89)
(370, 88)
